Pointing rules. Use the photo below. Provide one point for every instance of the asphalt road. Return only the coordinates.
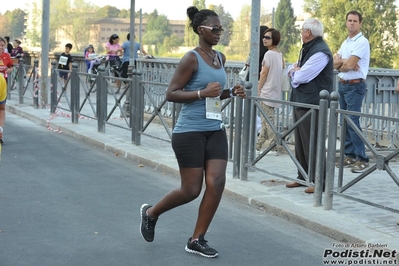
(65, 202)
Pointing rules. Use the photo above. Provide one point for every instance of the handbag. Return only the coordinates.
(244, 72)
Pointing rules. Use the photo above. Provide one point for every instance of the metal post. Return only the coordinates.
(332, 144)
(254, 58)
(75, 96)
(140, 105)
(231, 127)
(36, 84)
(237, 138)
(102, 99)
(21, 80)
(128, 96)
(246, 133)
(321, 148)
(137, 108)
(132, 31)
(45, 51)
(54, 84)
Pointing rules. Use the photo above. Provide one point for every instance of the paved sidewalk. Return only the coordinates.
(349, 221)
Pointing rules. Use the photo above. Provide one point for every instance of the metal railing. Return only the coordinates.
(145, 103)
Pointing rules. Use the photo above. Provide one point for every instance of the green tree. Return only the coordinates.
(34, 34)
(240, 40)
(285, 23)
(157, 28)
(125, 13)
(190, 37)
(75, 22)
(13, 23)
(108, 12)
(227, 23)
(379, 25)
(170, 43)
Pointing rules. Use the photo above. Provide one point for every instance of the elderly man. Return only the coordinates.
(311, 74)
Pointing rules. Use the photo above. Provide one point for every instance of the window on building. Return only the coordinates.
(108, 29)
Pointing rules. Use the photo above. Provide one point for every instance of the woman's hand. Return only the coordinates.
(239, 90)
(213, 89)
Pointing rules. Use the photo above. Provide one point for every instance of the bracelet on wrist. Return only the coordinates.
(199, 94)
(231, 92)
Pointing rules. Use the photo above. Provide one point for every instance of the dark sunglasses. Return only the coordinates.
(267, 37)
(114, 36)
(214, 29)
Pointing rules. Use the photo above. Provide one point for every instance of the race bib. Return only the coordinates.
(213, 108)
(63, 60)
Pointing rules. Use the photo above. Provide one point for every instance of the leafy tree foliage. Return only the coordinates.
(12, 24)
(240, 41)
(108, 12)
(227, 23)
(125, 13)
(190, 37)
(157, 26)
(379, 25)
(285, 23)
(170, 43)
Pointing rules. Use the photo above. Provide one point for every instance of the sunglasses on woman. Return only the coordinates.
(214, 29)
(267, 37)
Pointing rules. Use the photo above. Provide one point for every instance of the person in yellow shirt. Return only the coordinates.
(3, 97)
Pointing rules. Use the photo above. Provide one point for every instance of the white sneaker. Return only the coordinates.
(90, 71)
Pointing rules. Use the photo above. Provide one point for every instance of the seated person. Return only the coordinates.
(90, 58)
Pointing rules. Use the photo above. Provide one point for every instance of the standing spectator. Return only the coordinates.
(114, 50)
(126, 54)
(8, 47)
(65, 63)
(309, 76)
(352, 62)
(5, 59)
(17, 51)
(3, 97)
(262, 51)
(262, 47)
(199, 138)
(269, 85)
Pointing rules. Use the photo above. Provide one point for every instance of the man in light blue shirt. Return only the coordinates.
(126, 54)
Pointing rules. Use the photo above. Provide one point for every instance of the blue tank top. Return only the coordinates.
(192, 116)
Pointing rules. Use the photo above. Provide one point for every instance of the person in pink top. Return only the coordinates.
(114, 50)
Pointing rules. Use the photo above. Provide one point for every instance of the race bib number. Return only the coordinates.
(63, 60)
(213, 108)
